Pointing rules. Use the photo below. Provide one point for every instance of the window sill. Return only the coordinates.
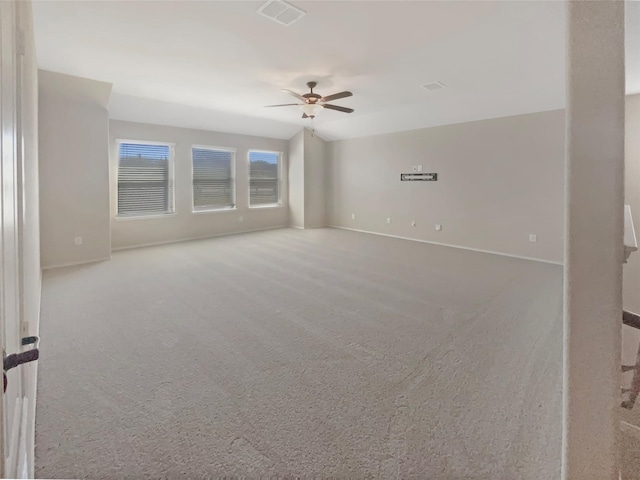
(144, 217)
(262, 207)
(217, 210)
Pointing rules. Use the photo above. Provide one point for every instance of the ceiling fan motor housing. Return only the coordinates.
(312, 97)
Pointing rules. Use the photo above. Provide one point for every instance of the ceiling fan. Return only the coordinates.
(313, 103)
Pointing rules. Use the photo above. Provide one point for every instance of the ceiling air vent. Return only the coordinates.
(281, 12)
(434, 86)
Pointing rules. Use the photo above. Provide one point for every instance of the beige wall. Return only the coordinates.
(296, 179)
(74, 176)
(184, 224)
(498, 181)
(314, 180)
(593, 247)
(631, 283)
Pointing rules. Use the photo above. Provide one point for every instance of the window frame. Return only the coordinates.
(280, 202)
(233, 151)
(172, 180)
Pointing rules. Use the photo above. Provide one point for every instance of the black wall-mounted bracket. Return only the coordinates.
(418, 177)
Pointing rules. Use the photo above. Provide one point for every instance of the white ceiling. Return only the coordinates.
(213, 65)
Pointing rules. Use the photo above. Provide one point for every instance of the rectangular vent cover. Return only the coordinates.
(281, 12)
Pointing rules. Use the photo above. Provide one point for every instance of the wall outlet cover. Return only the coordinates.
(419, 168)
(77, 241)
(388, 219)
(438, 227)
(533, 237)
(353, 216)
(413, 224)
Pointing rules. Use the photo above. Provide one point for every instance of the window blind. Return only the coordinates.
(213, 182)
(264, 178)
(145, 186)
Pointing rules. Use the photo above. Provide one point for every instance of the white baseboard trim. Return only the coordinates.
(448, 245)
(191, 239)
(309, 227)
(73, 264)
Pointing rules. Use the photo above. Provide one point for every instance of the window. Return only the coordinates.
(213, 178)
(264, 179)
(145, 179)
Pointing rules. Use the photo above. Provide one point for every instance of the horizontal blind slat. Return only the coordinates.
(264, 178)
(213, 182)
(144, 180)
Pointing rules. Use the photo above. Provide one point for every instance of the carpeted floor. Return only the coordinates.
(301, 353)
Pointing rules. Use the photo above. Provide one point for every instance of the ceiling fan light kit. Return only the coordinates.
(312, 103)
(311, 109)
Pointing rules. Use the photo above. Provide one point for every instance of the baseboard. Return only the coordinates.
(309, 227)
(191, 239)
(74, 264)
(448, 245)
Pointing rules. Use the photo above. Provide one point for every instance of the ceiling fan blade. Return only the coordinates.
(291, 92)
(336, 107)
(304, 115)
(336, 96)
(283, 105)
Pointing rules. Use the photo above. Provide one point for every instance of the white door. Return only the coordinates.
(10, 268)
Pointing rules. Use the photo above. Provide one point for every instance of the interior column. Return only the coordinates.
(593, 238)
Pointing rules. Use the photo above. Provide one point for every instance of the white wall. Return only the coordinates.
(296, 179)
(498, 181)
(631, 283)
(74, 175)
(184, 224)
(314, 180)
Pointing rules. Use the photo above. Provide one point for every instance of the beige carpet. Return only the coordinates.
(301, 353)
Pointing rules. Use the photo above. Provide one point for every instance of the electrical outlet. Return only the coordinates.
(438, 227)
(533, 237)
(77, 241)
(419, 168)
(353, 216)
(415, 168)
(388, 219)
(413, 224)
